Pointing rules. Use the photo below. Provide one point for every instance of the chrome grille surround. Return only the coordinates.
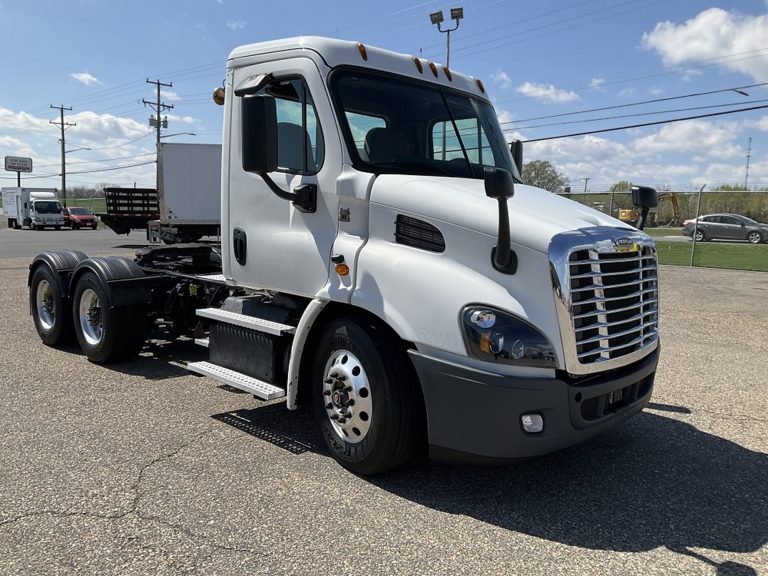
(606, 290)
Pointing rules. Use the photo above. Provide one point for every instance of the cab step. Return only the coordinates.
(204, 342)
(249, 322)
(262, 390)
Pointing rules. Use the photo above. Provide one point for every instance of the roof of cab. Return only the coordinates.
(344, 52)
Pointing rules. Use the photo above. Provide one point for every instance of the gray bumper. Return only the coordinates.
(474, 415)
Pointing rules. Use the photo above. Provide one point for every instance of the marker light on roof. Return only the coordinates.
(480, 85)
(448, 73)
(363, 51)
(418, 64)
(433, 68)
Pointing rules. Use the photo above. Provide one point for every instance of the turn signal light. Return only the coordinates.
(363, 51)
(342, 269)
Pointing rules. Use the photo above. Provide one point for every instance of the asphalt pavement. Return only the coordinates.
(143, 468)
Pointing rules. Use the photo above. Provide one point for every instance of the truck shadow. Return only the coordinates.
(653, 482)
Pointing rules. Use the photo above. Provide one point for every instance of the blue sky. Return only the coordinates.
(537, 59)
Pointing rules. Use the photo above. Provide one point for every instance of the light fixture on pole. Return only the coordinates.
(457, 14)
(178, 134)
(64, 169)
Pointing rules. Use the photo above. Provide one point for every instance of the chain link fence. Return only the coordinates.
(708, 229)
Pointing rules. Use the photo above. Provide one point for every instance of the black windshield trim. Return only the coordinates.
(357, 162)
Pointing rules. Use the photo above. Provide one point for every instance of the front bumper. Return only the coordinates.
(473, 416)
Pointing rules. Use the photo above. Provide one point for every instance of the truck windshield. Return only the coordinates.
(396, 125)
(47, 207)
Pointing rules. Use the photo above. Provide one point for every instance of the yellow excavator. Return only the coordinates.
(630, 215)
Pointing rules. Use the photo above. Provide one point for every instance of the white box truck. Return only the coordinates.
(35, 208)
(189, 194)
(383, 261)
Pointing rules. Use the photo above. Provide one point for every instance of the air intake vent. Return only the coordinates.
(419, 234)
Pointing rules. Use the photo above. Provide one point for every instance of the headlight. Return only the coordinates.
(497, 336)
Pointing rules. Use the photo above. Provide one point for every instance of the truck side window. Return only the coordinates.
(300, 146)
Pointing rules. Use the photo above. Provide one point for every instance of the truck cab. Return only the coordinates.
(382, 164)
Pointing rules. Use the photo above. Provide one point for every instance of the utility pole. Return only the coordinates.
(156, 122)
(585, 184)
(749, 155)
(158, 107)
(63, 125)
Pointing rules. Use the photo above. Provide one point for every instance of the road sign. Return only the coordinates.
(18, 164)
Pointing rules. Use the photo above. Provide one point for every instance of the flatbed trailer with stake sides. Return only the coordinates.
(383, 262)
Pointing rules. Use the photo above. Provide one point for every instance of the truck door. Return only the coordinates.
(271, 243)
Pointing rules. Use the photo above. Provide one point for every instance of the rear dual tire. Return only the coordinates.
(50, 311)
(106, 334)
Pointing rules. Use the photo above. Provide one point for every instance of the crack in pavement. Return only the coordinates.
(134, 509)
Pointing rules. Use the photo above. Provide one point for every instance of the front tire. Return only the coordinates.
(366, 397)
(50, 313)
(105, 334)
(754, 237)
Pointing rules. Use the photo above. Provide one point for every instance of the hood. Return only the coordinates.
(535, 216)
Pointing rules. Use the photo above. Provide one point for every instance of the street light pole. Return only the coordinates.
(437, 18)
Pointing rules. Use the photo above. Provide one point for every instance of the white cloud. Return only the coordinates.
(627, 93)
(596, 82)
(729, 39)
(235, 24)
(85, 78)
(655, 91)
(169, 95)
(501, 79)
(14, 146)
(547, 92)
(694, 136)
(183, 119)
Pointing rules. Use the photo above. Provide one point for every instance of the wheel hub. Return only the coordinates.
(348, 396)
(44, 301)
(91, 317)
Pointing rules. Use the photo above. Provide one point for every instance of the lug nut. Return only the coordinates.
(326, 392)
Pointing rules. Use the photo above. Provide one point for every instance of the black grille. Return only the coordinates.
(419, 234)
(615, 302)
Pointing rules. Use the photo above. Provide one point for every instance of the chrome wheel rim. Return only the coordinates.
(44, 305)
(90, 317)
(347, 397)
(754, 237)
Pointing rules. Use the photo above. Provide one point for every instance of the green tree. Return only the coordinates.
(622, 186)
(542, 174)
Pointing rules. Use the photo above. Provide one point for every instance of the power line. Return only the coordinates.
(642, 102)
(639, 114)
(670, 121)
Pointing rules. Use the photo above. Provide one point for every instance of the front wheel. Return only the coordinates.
(105, 333)
(754, 237)
(366, 397)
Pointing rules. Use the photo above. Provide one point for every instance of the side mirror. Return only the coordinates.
(644, 197)
(498, 183)
(500, 186)
(516, 147)
(258, 130)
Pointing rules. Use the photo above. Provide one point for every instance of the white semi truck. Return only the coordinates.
(35, 208)
(383, 262)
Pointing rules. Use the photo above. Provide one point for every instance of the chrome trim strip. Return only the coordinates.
(597, 241)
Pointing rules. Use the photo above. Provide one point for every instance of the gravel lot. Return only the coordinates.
(142, 468)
